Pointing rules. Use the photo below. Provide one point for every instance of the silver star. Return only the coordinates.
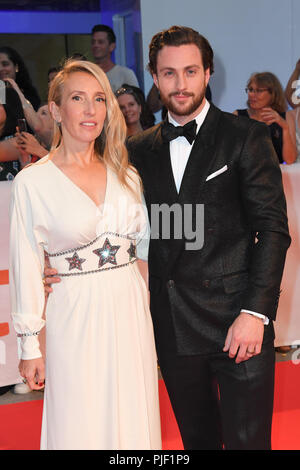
(132, 251)
(75, 262)
(107, 254)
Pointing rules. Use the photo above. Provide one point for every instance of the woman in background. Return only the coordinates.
(136, 112)
(12, 66)
(266, 103)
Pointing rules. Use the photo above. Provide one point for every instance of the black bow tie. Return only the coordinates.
(170, 132)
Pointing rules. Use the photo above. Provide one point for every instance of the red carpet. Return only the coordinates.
(286, 418)
(20, 423)
(3, 277)
(20, 426)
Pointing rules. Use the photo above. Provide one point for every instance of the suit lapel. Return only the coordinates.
(201, 159)
(163, 173)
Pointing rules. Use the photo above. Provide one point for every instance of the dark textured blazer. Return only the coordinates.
(197, 294)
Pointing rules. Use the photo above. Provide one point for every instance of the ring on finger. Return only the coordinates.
(24, 381)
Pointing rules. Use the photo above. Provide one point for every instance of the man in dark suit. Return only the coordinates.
(212, 303)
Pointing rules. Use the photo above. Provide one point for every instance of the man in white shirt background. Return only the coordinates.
(103, 45)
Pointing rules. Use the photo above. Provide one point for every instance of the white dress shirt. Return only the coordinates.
(180, 150)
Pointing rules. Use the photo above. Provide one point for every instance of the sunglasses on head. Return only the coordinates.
(124, 90)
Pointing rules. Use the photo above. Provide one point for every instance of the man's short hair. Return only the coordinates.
(179, 36)
(106, 29)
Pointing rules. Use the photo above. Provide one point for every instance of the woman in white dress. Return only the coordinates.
(81, 206)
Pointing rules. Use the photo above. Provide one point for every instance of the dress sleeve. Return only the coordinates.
(25, 271)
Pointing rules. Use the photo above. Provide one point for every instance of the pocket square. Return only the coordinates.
(216, 173)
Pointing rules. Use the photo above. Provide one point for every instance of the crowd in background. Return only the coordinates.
(26, 126)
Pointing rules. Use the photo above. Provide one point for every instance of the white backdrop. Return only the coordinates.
(8, 344)
(247, 37)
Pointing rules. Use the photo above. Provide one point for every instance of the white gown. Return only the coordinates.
(101, 374)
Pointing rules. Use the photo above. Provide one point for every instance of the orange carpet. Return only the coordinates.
(20, 423)
(286, 418)
(3, 277)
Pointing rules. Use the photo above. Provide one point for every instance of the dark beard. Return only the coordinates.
(176, 110)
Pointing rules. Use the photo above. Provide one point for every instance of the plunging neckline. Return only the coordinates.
(80, 189)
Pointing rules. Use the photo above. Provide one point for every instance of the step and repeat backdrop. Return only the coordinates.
(8, 341)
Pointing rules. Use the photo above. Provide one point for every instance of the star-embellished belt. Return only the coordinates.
(108, 251)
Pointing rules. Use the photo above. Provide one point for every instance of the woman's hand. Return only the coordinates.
(15, 86)
(269, 116)
(33, 370)
(28, 143)
(10, 151)
(289, 151)
(50, 277)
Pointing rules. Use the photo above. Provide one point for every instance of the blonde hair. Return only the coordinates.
(270, 81)
(110, 144)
